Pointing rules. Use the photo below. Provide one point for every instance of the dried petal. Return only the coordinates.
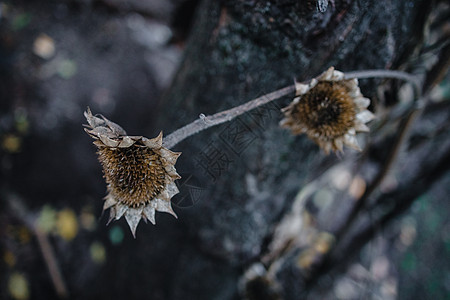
(108, 141)
(339, 145)
(301, 88)
(133, 216)
(112, 214)
(365, 116)
(170, 156)
(120, 210)
(361, 127)
(350, 140)
(362, 102)
(92, 120)
(149, 213)
(109, 201)
(172, 189)
(115, 128)
(126, 142)
(164, 206)
(153, 143)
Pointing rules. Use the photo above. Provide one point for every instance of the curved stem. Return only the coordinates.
(205, 122)
(387, 74)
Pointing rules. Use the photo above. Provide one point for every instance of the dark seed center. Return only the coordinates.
(327, 110)
(135, 175)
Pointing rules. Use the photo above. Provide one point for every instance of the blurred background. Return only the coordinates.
(156, 65)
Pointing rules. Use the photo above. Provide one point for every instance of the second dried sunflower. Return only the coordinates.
(329, 110)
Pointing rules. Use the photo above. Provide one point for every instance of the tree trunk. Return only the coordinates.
(240, 179)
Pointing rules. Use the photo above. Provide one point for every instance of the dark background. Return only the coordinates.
(156, 65)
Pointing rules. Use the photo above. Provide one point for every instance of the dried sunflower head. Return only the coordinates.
(330, 110)
(139, 172)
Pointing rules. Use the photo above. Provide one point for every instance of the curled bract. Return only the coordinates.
(330, 110)
(139, 172)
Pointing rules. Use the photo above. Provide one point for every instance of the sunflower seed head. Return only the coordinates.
(139, 172)
(330, 110)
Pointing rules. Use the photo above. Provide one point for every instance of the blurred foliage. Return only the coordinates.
(18, 286)
(47, 219)
(424, 267)
(98, 252)
(116, 235)
(67, 224)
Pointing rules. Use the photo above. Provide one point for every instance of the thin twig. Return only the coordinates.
(50, 261)
(205, 122)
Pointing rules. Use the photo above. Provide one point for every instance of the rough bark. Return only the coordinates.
(239, 50)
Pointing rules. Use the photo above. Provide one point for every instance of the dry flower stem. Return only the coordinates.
(387, 74)
(205, 122)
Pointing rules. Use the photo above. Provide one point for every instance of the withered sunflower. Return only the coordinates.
(329, 110)
(139, 172)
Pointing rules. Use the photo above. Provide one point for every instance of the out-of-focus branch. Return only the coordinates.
(434, 76)
(399, 140)
(52, 264)
(19, 210)
(399, 201)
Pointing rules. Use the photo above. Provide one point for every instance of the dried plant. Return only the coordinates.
(139, 172)
(330, 110)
